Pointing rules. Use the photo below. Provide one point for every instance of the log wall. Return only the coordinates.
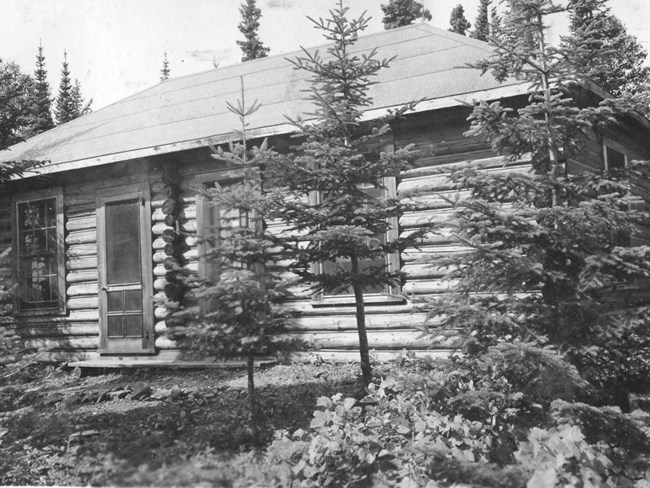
(392, 326)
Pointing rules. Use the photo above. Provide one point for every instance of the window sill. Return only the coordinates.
(52, 312)
(347, 300)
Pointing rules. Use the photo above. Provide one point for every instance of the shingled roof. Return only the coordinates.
(190, 111)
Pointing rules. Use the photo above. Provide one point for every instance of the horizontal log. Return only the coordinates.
(79, 276)
(159, 284)
(438, 200)
(158, 243)
(430, 252)
(160, 327)
(81, 250)
(189, 226)
(83, 289)
(63, 343)
(158, 215)
(479, 158)
(83, 303)
(160, 312)
(425, 217)
(342, 356)
(81, 223)
(309, 308)
(430, 286)
(83, 315)
(162, 342)
(81, 237)
(342, 322)
(424, 271)
(441, 182)
(394, 339)
(159, 227)
(159, 270)
(158, 200)
(52, 330)
(192, 254)
(159, 257)
(86, 262)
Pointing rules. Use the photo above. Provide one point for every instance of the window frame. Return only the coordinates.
(55, 193)
(614, 146)
(391, 293)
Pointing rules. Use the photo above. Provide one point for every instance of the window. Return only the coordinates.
(40, 266)
(614, 159)
(377, 293)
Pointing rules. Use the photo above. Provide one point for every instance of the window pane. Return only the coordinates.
(615, 159)
(133, 325)
(132, 300)
(123, 242)
(115, 326)
(114, 302)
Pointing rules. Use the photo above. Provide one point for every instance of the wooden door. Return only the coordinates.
(125, 276)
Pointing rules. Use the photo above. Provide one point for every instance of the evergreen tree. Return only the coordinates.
(398, 13)
(41, 107)
(482, 24)
(345, 225)
(546, 245)
(15, 103)
(241, 296)
(81, 106)
(251, 46)
(164, 71)
(618, 64)
(70, 104)
(495, 22)
(64, 108)
(458, 22)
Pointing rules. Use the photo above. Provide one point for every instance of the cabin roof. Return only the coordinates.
(190, 111)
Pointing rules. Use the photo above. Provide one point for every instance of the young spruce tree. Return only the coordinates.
(547, 256)
(340, 161)
(251, 46)
(240, 315)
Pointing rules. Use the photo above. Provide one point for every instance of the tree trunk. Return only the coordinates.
(252, 407)
(366, 370)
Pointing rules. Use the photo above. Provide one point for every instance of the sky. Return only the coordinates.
(115, 47)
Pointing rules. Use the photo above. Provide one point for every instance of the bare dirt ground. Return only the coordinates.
(66, 428)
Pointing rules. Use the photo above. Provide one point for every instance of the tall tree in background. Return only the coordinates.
(251, 46)
(81, 106)
(398, 13)
(64, 105)
(164, 71)
(348, 224)
(482, 24)
(15, 104)
(618, 63)
(458, 22)
(70, 104)
(41, 106)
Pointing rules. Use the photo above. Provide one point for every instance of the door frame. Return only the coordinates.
(139, 192)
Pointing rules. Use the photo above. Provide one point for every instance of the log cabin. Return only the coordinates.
(87, 228)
